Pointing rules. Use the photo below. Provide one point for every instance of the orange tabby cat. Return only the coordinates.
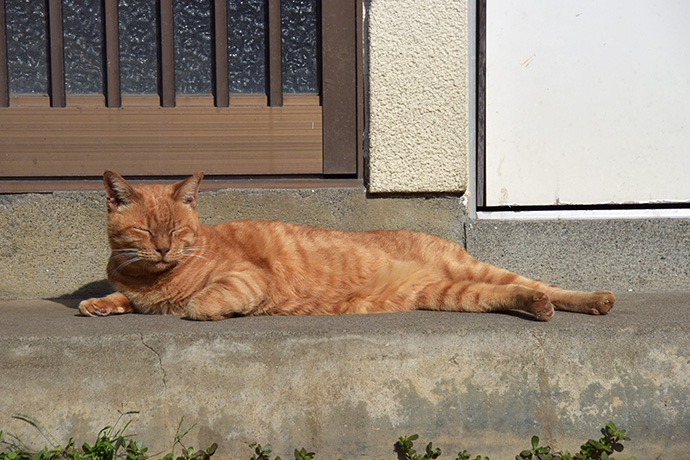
(164, 261)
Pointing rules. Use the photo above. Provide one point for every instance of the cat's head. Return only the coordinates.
(151, 227)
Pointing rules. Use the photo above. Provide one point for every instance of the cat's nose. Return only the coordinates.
(162, 251)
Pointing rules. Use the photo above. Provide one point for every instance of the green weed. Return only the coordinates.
(591, 450)
(112, 443)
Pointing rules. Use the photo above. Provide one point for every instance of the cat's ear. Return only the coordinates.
(117, 191)
(187, 190)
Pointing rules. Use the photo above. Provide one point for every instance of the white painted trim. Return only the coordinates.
(586, 214)
(472, 107)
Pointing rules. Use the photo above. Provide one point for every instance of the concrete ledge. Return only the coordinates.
(620, 255)
(347, 387)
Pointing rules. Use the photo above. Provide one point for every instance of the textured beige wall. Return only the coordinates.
(418, 95)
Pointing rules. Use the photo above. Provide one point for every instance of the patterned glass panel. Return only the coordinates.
(83, 46)
(192, 21)
(27, 58)
(299, 46)
(247, 46)
(138, 46)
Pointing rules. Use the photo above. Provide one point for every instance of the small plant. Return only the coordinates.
(262, 453)
(405, 446)
(188, 453)
(601, 449)
(110, 441)
(303, 454)
(591, 450)
(111, 444)
(18, 451)
(405, 443)
(536, 453)
(465, 456)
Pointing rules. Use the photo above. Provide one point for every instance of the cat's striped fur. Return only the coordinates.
(164, 261)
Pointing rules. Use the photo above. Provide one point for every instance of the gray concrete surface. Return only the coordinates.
(347, 387)
(622, 255)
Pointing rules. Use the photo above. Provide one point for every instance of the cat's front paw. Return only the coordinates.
(113, 304)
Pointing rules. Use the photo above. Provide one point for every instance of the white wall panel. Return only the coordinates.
(588, 101)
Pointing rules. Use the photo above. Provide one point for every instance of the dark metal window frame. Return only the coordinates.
(480, 115)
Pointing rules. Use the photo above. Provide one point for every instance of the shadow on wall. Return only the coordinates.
(94, 289)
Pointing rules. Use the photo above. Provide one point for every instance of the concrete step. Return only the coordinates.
(347, 387)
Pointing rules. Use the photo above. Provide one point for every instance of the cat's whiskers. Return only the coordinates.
(192, 251)
(195, 255)
(196, 248)
(132, 258)
(124, 252)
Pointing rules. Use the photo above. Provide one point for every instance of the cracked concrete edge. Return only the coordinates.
(164, 375)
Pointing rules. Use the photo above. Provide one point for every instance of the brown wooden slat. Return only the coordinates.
(248, 100)
(153, 100)
(220, 34)
(167, 64)
(339, 86)
(141, 100)
(56, 54)
(209, 184)
(275, 75)
(301, 99)
(231, 141)
(112, 55)
(29, 100)
(4, 84)
(194, 100)
(85, 100)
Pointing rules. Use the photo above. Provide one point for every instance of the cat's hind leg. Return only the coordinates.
(403, 286)
(482, 297)
(596, 303)
(115, 303)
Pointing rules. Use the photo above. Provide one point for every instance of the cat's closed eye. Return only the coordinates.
(143, 230)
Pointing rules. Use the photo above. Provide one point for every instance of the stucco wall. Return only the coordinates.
(418, 95)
